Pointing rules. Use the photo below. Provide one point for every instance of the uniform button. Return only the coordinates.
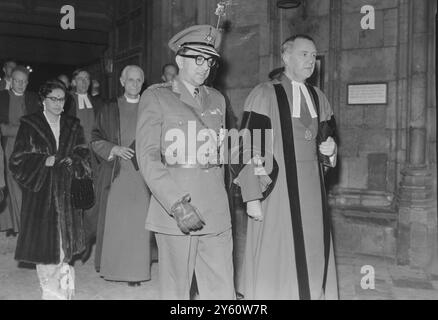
(202, 114)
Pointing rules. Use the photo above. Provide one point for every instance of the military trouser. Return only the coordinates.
(210, 256)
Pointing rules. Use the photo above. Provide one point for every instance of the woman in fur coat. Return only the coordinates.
(49, 149)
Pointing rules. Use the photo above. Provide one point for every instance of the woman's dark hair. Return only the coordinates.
(49, 86)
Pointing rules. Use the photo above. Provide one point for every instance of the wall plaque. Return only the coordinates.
(367, 93)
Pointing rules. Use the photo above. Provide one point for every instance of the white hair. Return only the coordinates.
(128, 67)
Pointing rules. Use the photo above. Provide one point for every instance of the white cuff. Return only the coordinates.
(111, 155)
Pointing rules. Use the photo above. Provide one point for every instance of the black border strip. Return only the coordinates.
(292, 186)
(325, 213)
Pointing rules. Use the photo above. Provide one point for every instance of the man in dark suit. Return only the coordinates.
(8, 66)
(85, 107)
(14, 103)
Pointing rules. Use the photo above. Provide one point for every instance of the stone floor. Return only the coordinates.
(391, 282)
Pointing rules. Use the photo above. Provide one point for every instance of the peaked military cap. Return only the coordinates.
(200, 38)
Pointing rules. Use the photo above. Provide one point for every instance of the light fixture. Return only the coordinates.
(289, 4)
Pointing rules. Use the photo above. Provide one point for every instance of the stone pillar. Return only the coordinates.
(417, 227)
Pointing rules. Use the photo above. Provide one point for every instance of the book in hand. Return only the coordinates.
(134, 157)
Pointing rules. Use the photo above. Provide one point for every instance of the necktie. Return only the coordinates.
(197, 96)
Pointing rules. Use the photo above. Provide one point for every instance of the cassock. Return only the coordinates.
(85, 108)
(288, 255)
(123, 243)
(2, 175)
(12, 108)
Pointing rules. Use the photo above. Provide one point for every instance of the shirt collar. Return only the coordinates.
(190, 87)
(130, 100)
(297, 83)
(16, 93)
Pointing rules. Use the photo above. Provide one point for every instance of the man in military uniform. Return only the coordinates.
(177, 130)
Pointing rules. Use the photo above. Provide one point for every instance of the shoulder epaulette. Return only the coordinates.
(160, 85)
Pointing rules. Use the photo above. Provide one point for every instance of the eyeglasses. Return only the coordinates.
(55, 99)
(201, 59)
(20, 81)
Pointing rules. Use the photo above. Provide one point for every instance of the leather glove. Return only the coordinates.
(188, 217)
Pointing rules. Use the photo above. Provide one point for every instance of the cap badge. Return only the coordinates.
(209, 37)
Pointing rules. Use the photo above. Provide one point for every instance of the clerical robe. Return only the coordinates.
(12, 108)
(123, 243)
(288, 255)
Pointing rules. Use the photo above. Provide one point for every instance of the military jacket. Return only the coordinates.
(174, 129)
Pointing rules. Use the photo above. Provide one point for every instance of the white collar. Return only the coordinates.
(297, 88)
(298, 83)
(83, 101)
(16, 93)
(130, 100)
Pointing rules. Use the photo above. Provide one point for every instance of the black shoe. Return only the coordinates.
(134, 284)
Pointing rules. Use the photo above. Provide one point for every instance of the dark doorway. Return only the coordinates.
(44, 71)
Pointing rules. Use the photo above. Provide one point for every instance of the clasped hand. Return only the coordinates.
(50, 161)
(328, 147)
(187, 216)
(123, 152)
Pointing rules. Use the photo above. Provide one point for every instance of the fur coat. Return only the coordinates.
(47, 207)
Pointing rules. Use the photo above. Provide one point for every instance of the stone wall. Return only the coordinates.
(376, 143)
(367, 132)
(379, 144)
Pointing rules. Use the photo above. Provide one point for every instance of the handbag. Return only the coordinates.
(82, 193)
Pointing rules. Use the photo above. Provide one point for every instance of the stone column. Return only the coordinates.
(417, 226)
